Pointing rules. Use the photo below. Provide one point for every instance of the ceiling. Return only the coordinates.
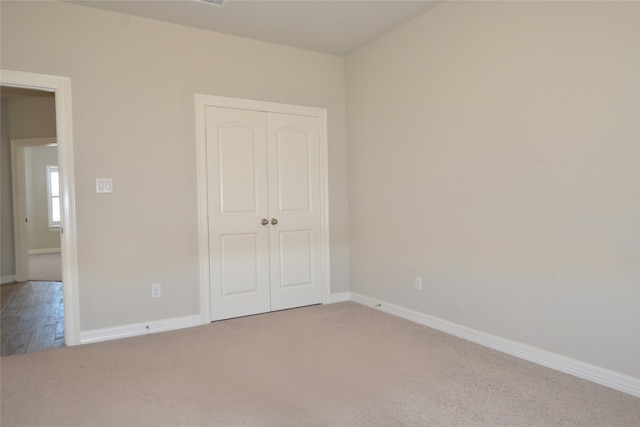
(336, 27)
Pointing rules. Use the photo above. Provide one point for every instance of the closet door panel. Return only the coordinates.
(294, 202)
(237, 202)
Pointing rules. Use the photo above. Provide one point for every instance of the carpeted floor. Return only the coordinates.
(333, 365)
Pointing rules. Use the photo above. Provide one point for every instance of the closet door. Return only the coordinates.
(294, 203)
(237, 204)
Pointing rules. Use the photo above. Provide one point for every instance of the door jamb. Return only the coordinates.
(204, 101)
(61, 86)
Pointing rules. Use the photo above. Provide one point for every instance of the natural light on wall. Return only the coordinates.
(53, 194)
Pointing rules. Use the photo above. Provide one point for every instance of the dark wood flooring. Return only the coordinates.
(31, 317)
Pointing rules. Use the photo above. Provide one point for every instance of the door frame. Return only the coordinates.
(61, 87)
(204, 101)
(19, 178)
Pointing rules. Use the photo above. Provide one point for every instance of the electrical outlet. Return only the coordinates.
(156, 290)
(418, 283)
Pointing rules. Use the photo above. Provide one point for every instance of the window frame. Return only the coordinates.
(53, 224)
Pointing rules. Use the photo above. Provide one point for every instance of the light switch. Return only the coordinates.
(104, 185)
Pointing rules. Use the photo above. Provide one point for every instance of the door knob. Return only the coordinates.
(274, 221)
(264, 221)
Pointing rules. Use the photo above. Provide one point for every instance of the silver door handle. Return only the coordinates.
(264, 221)
(274, 221)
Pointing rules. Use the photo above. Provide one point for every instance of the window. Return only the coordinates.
(53, 195)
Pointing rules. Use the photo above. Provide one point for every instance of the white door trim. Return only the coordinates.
(204, 101)
(61, 86)
(20, 233)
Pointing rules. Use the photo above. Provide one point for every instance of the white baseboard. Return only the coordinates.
(43, 251)
(596, 374)
(339, 297)
(134, 330)
(7, 279)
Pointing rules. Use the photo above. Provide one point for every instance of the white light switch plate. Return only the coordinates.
(104, 185)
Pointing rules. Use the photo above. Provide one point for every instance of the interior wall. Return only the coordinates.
(7, 252)
(493, 150)
(133, 85)
(32, 117)
(40, 236)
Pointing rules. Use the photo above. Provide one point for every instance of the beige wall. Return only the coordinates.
(32, 117)
(493, 150)
(40, 236)
(133, 83)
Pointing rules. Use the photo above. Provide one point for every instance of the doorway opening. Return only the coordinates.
(32, 309)
(19, 82)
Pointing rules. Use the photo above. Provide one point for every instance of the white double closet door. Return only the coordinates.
(264, 209)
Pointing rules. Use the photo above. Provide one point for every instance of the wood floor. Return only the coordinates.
(31, 317)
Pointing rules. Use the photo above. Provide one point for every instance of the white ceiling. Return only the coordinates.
(330, 26)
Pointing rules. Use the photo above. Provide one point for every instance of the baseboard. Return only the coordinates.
(339, 297)
(7, 279)
(589, 372)
(43, 251)
(138, 329)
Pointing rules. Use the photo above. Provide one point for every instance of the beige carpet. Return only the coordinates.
(45, 267)
(334, 365)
